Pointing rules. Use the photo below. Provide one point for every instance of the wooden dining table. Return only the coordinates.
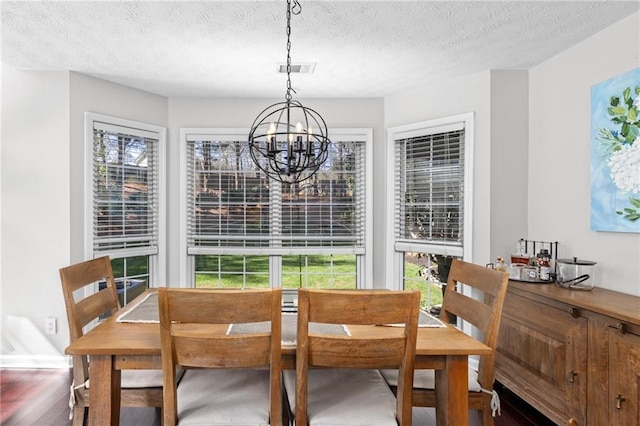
(114, 346)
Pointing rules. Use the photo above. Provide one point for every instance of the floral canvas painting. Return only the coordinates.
(615, 154)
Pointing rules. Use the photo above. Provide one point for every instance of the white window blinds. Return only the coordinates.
(233, 207)
(429, 190)
(125, 190)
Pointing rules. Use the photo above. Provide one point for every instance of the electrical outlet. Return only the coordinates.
(51, 326)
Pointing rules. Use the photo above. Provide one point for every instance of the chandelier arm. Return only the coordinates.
(296, 8)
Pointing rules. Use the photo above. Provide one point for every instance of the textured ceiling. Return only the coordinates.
(232, 48)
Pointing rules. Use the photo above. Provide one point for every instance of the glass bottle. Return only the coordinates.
(544, 261)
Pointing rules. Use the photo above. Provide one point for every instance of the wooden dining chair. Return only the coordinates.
(140, 388)
(483, 311)
(337, 381)
(230, 378)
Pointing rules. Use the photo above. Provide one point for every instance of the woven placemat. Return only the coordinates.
(289, 328)
(146, 311)
(424, 320)
(428, 320)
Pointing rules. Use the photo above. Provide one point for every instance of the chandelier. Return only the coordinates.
(288, 141)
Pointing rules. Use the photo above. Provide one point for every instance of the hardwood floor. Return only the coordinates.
(34, 397)
(41, 398)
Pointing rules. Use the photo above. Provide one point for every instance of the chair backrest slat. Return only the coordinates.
(95, 305)
(482, 278)
(473, 311)
(229, 306)
(338, 307)
(225, 352)
(83, 273)
(356, 353)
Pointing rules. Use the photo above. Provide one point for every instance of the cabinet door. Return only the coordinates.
(624, 378)
(541, 356)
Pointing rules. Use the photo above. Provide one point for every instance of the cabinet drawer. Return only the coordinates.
(541, 355)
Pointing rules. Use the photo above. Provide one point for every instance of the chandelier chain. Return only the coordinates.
(296, 9)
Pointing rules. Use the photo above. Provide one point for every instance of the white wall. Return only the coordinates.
(559, 153)
(509, 161)
(240, 113)
(35, 199)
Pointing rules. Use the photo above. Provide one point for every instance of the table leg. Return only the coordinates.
(104, 391)
(452, 401)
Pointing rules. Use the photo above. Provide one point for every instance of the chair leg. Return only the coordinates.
(487, 418)
(79, 415)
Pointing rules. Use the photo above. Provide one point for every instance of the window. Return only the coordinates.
(125, 207)
(240, 229)
(430, 208)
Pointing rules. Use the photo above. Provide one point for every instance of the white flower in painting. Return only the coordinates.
(625, 167)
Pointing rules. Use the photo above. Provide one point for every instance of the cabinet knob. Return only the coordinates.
(572, 376)
(622, 327)
(619, 400)
(575, 312)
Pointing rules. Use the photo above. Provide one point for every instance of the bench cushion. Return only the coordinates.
(339, 397)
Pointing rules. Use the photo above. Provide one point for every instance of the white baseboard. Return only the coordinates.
(35, 361)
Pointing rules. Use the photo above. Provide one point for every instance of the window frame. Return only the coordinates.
(395, 272)
(157, 271)
(364, 265)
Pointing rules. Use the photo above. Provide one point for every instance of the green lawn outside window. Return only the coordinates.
(314, 271)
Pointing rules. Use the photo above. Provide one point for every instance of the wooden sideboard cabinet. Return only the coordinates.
(573, 355)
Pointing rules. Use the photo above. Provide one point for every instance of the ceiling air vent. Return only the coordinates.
(298, 68)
